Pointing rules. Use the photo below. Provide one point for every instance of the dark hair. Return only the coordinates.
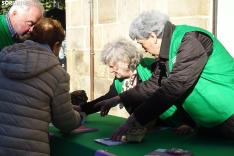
(48, 31)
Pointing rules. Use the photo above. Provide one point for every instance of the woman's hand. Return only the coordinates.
(184, 129)
(107, 104)
(118, 133)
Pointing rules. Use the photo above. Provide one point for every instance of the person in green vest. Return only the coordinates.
(196, 75)
(19, 21)
(126, 63)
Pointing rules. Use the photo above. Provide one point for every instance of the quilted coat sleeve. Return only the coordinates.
(62, 113)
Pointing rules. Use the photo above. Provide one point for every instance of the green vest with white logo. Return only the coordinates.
(212, 100)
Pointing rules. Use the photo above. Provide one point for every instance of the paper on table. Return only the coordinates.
(81, 129)
(163, 152)
(108, 142)
(103, 153)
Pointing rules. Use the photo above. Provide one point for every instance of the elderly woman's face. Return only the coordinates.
(120, 69)
(151, 45)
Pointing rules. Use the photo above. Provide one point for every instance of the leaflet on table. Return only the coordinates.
(165, 152)
(103, 153)
(108, 142)
(82, 129)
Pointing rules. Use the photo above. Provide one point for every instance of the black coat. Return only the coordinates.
(88, 107)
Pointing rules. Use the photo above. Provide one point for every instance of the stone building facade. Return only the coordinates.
(111, 20)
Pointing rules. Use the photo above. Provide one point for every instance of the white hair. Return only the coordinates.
(25, 5)
(121, 50)
(147, 22)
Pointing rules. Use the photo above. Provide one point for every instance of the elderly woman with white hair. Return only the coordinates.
(126, 63)
(130, 69)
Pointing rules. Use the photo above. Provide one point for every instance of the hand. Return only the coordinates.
(118, 133)
(184, 129)
(77, 108)
(107, 104)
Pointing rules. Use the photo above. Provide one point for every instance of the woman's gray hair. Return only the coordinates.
(121, 50)
(147, 22)
(25, 5)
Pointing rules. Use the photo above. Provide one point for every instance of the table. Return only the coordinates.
(84, 145)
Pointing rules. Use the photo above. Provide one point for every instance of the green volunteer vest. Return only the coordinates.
(212, 100)
(171, 116)
(5, 37)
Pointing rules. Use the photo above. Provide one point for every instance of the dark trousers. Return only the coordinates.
(224, 130)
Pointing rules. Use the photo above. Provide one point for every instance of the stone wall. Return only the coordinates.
(111, 20)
